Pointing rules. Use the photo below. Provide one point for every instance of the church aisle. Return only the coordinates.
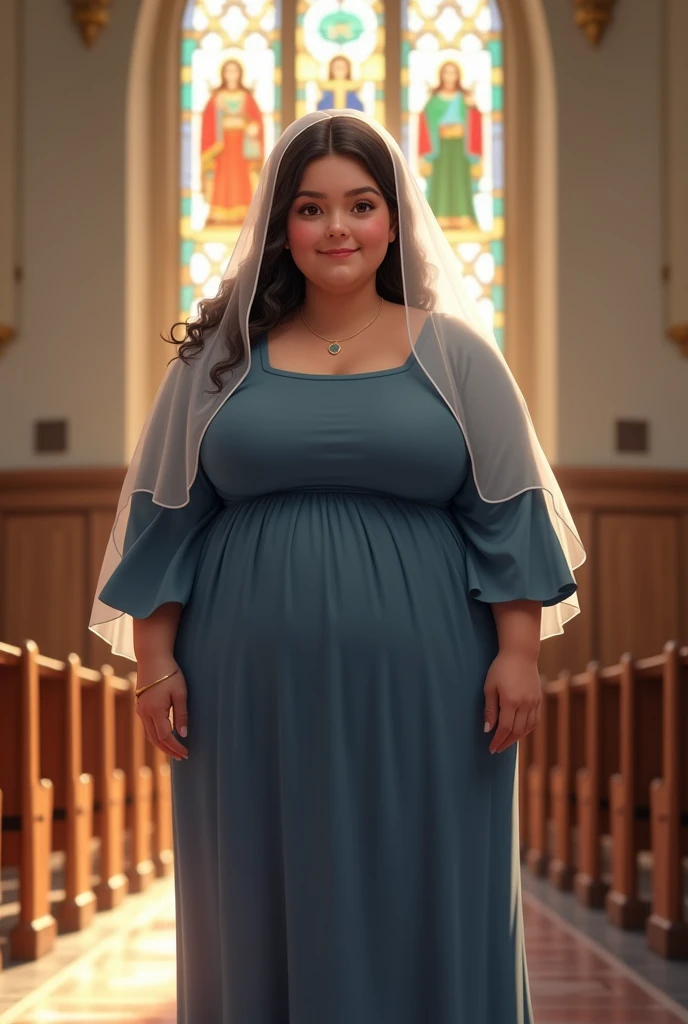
(131, 980)
(128, 978)
(571, 983)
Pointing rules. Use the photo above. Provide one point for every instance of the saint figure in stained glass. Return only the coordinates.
(340, 91)
(340, 56)
(231, 147)
(449, 141)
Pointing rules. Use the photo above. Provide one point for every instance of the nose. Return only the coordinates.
(336, 228)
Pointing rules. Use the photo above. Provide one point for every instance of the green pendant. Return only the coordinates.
(334, 348)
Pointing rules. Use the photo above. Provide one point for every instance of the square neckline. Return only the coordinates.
(269, 368)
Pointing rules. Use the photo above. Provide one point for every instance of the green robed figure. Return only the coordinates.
(449, 142)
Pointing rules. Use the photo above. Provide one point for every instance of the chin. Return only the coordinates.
(341, 278)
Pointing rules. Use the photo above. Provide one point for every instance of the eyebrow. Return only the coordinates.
(347, 195)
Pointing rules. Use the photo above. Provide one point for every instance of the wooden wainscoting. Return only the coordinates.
(54, 525)
(633, 588)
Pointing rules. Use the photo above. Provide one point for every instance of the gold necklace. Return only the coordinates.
(334, 346)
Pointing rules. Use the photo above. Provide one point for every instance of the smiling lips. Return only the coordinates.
(337, 252)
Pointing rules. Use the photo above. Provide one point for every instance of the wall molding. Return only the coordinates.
(56, 488)
(9, 163)
(675, 157)
(615, 487)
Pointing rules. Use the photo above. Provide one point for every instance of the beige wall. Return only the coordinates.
(614, 361)
(9, 165)
(70, 357)
(676, 172)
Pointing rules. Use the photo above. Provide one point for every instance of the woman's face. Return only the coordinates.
(339, 225)
(450, 77)
(232, 76)
(340, 68)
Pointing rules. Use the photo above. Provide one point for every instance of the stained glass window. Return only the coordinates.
(230, 118)
(452, 108)
(340, 56)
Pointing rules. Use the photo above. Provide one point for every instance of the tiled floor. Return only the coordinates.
(572, 983)
(129, 976)
(626, 951)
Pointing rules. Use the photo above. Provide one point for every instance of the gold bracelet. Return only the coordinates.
(143, 689)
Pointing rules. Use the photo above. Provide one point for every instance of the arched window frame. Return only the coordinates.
(152, 172)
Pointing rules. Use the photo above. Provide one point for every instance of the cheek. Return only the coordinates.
(373, 233)
(302, 235)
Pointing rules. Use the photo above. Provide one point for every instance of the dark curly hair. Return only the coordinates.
(281, 286)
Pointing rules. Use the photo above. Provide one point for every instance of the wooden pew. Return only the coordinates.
(667, 929)
(61, 762)
(130, 752)
(28, 801)
(619, 731)
(569, 711)
(601, 744)
(98, 738)
(541, 754)
(590, 742)
(73, 766)
(629, 789)
(163, 857)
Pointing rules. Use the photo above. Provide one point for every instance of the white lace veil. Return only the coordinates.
(460, 356)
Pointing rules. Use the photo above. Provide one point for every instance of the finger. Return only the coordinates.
(181, 717)
(520, 722)
(491, 710)
(152, 734)
(160, 738)
(531, 722)
(163, 729)
(516, 729)
(506, 721)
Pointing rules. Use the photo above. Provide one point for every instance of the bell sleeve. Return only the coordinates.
(161, 550)
(512, 550)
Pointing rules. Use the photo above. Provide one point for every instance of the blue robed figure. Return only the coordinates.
(339, 92)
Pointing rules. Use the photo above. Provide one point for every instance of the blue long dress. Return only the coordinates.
(346, 847)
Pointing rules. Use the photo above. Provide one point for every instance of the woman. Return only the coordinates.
(231, 147)
(339, 603)
(449, 141)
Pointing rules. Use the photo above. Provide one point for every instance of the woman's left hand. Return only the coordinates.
(512, 699)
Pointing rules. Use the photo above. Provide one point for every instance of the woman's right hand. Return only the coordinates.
(153, 706)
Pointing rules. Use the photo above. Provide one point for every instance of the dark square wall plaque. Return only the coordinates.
(631, 436)
(50, 436)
